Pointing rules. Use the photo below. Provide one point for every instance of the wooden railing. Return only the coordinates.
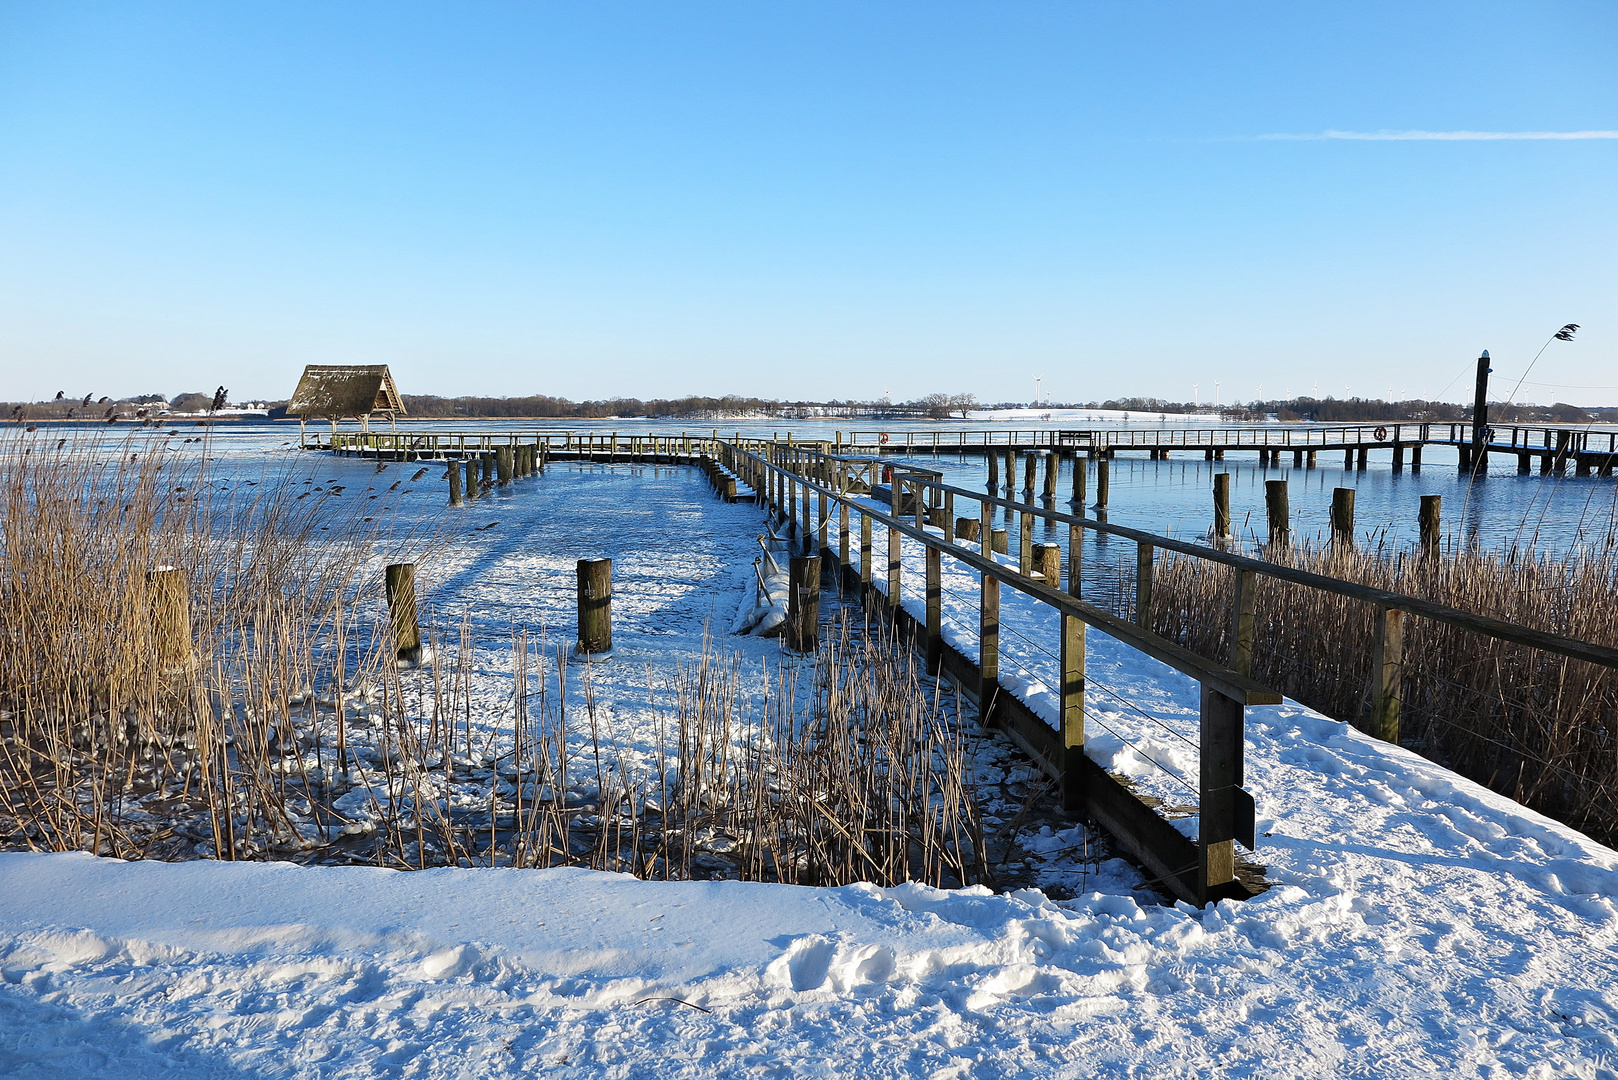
(787, 475)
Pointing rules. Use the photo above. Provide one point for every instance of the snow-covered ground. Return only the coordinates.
(1419, 924)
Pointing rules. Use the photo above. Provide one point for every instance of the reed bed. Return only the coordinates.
(133, 704)
(1537, 727)
(275, 723)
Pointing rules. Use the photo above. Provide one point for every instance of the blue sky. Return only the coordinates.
(807, 200)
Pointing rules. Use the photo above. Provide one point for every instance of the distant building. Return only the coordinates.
(340, 392)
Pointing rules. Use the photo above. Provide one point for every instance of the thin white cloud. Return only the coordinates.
(1446, 136)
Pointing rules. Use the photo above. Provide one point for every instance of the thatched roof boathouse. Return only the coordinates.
(346, 391)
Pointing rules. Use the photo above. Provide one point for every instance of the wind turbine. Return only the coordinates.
(1196, 394)
(1216, 393)
(1037, 378)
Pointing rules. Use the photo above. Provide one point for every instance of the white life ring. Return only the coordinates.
(1381, 433)
(882, 438)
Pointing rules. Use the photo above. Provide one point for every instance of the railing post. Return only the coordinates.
(803, 602)
(1241, 629)
(866, 554)
(935, 611)
(949, 517)
(988, 648)
(894, 567)
(1025, 543)
(842, 542)
(1387, 673)
(1144, 553)
(1072, 713)
(1075, 559)
(1220, 781)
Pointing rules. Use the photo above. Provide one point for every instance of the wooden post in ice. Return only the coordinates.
(1030, 466)
(803, 603)
(1052, 461)
(502, 464)
(1103, 481)
(1221, 498)
(966, 530)
(1048, 564)
(472, 489)
(1279, 510)
(171, 619)
(1431, 529)
(1081, 466)
(994, 470)
(999, 542)
(453, 473)
(1342, 517)
(400, 580)
(595, 606)
(1387, 672)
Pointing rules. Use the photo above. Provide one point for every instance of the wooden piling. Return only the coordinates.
(1103, 481)
(1278, 508)
(502, 462)
(1221, 500)
(1048, 564)
(803, 603)
(453, 475)
(1342, 516)
(595, 606)
(1430, 521)
(1053, 460)
(994, 470)
(966, 530)
(1000, 542)
(1081, 466)
(400, 582)
(473, 488)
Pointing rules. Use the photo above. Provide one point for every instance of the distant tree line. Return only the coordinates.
(546, 406)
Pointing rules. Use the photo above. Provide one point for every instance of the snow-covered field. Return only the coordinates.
(1419, 924)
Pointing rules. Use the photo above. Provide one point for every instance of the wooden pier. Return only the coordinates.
(1584, 451)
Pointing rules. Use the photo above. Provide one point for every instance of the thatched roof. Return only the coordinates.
(339, 390)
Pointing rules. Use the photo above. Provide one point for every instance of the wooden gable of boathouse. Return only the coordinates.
(340, 391)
